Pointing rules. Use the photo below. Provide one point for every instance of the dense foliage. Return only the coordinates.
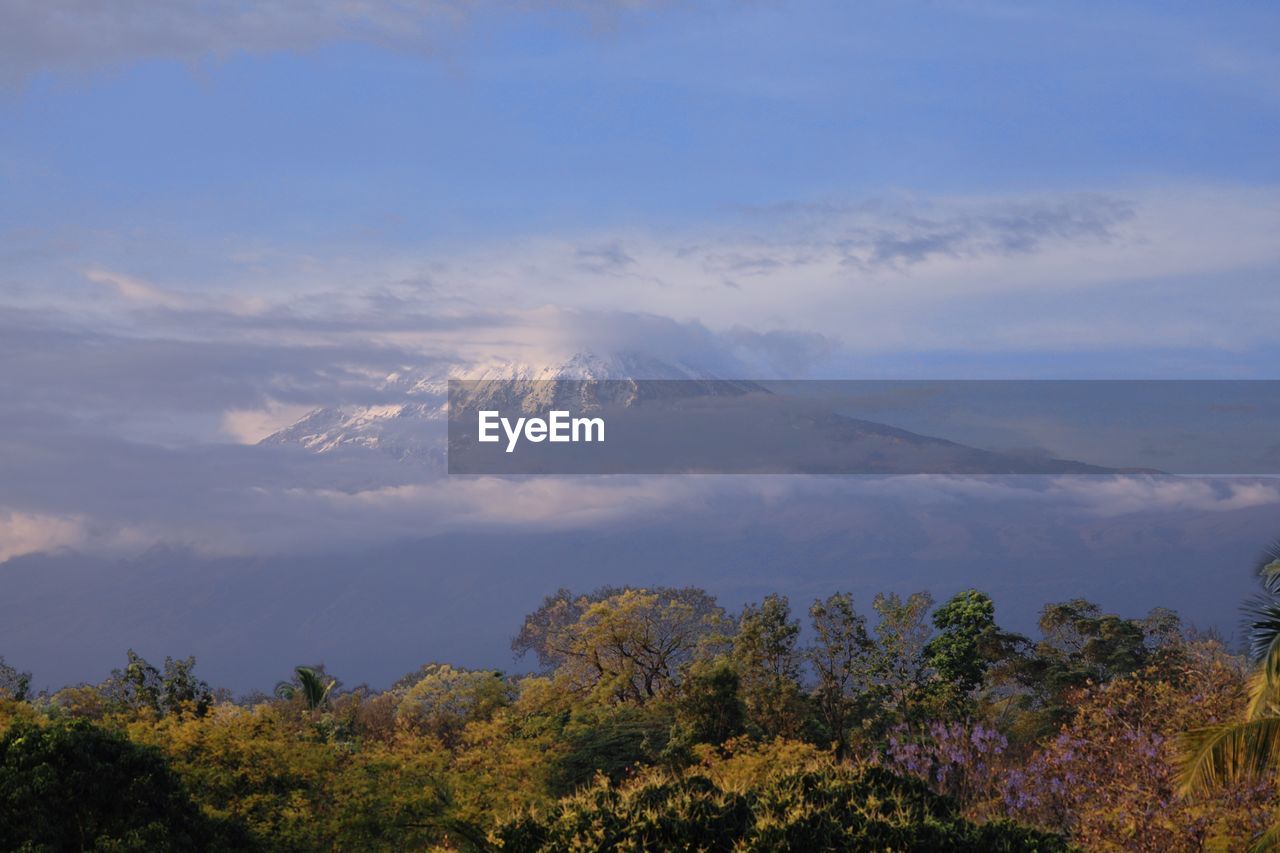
(821, 807)
(74, 786)
(658, 720)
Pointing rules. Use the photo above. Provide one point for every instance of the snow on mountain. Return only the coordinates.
(408, 431)
(411, 424)
(410, 420)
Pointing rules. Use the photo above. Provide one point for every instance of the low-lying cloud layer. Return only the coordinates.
(1181, 282)
(67, 489)
(126, 396)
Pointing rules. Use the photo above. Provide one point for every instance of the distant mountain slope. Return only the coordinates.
(766, 433)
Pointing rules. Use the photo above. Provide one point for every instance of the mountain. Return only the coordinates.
(663, 418)
(411, 431)
(412, 424)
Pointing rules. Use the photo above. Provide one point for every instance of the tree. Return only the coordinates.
(543, 628)
(263, 767)
(74, 786)
(967, 645)
(1109, 776)
(628, 647)
(1232, 753)
(843, 659)
(443, 699)
(611, 741)
(768, 664)
(309, 683)
(1081, 646)
(821, 806)
(13, 684)
(901, 634)
(140, 685)
(708, 708)
(1090, 644)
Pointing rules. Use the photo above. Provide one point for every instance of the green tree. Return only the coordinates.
(901, 634)
(1081, 646)
(610, 740)
(13, 684)
(968, 644)
(169, 691)
(708, 708)
(310, 684)
(843, 660)
(768, 662)
(1089, 644)
(74, 786)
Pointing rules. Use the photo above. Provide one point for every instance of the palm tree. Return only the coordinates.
(310, 683)
(1248, 750)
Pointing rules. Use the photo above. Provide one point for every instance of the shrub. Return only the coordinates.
(823, 806)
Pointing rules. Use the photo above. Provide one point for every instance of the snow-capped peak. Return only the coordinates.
(410, 423)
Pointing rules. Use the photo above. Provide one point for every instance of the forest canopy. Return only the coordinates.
(657, 719)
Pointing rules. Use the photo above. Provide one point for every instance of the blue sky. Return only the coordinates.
(659, 115)
(828, 189)
(216, 217)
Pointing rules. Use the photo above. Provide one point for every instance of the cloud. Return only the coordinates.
(901, 232)
(144, 294)
(1095, 496)
(607, 258)
(87, 35)
(135, 289)
(25, 533)
(1123, 495)
(179, 389)
(82, 35)
(69, 488)
(249, 426)
(821, 289)
(1174, 268)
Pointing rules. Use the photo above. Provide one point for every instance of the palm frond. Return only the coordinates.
(1228, 753)
(1264, 697)
(1264, 637)
(1269, 568)
(1268, 841)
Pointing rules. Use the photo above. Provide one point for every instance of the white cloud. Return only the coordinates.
(1174, 267)
(1088, 495)
(26, 532)
(818, 290)
(970, 274)
(135, 290)
(781, 288)
(141, 294)
(249, 426)
(546, 503)
(1123, 495)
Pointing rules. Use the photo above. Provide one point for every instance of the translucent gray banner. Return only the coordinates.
(713, 426)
